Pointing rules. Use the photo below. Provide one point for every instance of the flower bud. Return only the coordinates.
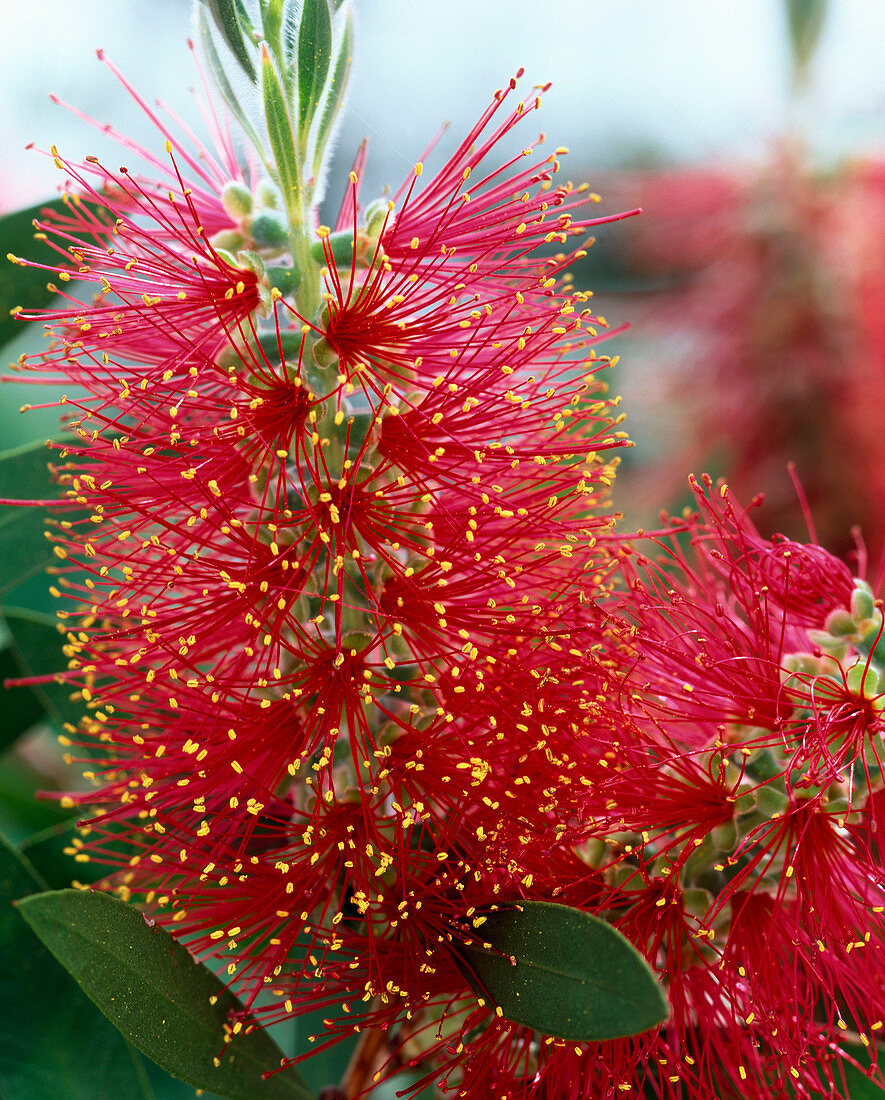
(375, 215)
(862, 602)
(863, 679)
(268, 195)
(268, 230)
(696, 901)
(724, 836)
(324, 355)
(236, 199)
(252, 262)
(770, 800)
(228, 240)
(285, 279)
(840, 623)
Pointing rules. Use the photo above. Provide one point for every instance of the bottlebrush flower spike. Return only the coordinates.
(328, 602)
(736, 834)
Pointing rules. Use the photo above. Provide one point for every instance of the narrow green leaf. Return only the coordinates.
(336, 87)
(228, 18)
(223, 84)
(54, 1042)
(23, 286)
(314, 58)
(37, 646)
(272, 26)
(279, 130)
(148, 985)
(565, 973)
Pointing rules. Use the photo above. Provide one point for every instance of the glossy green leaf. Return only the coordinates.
(565, 973)
(279, 130)
(314, 58)
(148, 985)
(336, 87)
(23, 286)
(24, 549)
(37, 644)
(54, 1042)
(228, 16)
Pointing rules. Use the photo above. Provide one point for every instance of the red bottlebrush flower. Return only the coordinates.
(328, 604)
(734, 828)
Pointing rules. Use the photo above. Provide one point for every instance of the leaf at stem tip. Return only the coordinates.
(575, 976)
(148, 985)
(228, 16)
(336, 89)
(279, 130)
(314, 58)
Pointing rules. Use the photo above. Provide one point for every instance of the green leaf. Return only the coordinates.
(805, 19)
(54, 1042)
(565, 973)
(24, 549)
(148, 985)
(229, 18)
(314, 58)
(279, 130)
(49, 853)
(21, 708)
(858, 1085)
(336, 87)
(272, 27)
(23, 286)
(37, 644)
(223, 84)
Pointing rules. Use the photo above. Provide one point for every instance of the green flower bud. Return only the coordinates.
(863, 679)
(771, 800)
(342, 249)
(285, 279)
(374, 216)
(840, 623)
(268, 230)
(252, 262)
(268, 195)
(324, 355)
(725, 836)
(696, 901)
(227, 240)
(236, 199)
(863, 603)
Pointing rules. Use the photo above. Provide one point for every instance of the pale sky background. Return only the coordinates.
(689, 79)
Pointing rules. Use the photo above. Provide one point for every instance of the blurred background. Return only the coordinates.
(752, 133)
